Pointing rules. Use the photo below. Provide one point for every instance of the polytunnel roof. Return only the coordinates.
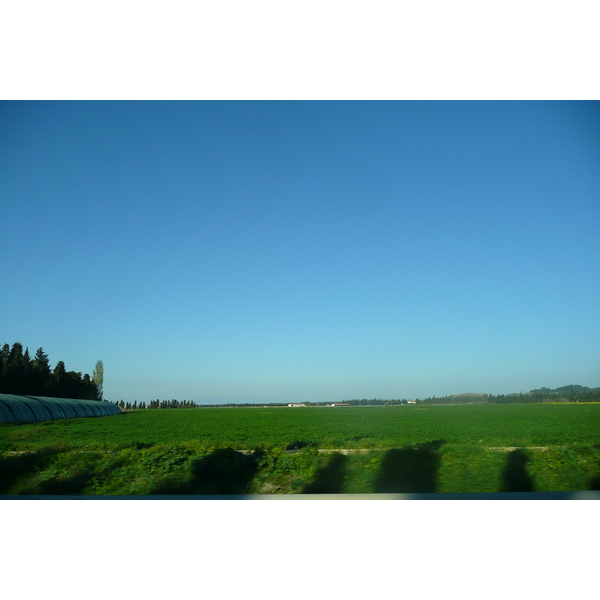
(33, 409)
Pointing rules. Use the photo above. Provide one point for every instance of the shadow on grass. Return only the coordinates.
(222, 472)
(595, 483)
(15, 467)
(64, 487)
(298, 445)
(515, 477)
(409, 470)
(330, 478)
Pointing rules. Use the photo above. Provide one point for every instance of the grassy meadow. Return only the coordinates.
(445, 449)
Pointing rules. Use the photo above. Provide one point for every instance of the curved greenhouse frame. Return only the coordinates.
(34, 409)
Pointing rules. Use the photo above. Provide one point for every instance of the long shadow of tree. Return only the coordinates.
(299, 444)
(330, 478)
(224, 472)
(515, 477)
(13, 468)
(72, 485)
(409, 470)
(595, 481)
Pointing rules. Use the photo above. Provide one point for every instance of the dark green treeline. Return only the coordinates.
(22, 375)
(566, 393)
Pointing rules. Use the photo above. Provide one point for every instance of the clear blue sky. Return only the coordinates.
(304, 250)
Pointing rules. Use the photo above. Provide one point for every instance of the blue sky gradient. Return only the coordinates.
(288, 251)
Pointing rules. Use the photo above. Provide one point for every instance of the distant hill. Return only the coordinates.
(565, 389)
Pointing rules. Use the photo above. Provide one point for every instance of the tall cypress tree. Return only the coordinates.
(98, 379)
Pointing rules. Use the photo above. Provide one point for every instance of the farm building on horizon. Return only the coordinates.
(340, 405)
(296, 404)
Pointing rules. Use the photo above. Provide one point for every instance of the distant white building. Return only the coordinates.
(296, 404)
(340, 405)
(412, 401)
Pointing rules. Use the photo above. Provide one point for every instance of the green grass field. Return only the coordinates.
(461, 448)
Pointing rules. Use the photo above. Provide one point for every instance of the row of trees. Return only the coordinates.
(372, 402)
(363, 402)
(21, 374)
(156, 404)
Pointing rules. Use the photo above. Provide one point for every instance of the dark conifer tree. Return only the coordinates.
(40, 374)
(15, 371)
(4, 354)
(27, 369)
(57, 379)
(90, 390)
